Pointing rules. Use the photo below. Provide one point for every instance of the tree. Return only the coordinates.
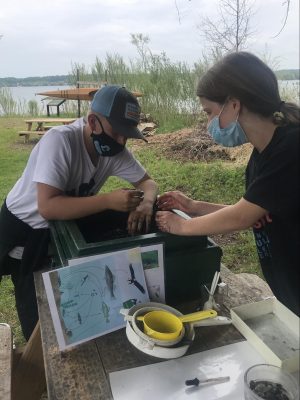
(232, 31)
(287, 3)
(141, 41)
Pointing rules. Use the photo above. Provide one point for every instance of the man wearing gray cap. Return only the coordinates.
(61, 181)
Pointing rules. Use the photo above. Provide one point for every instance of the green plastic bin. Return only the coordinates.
(189, 261)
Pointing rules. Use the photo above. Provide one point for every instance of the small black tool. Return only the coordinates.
(196, 382)
(192, 382)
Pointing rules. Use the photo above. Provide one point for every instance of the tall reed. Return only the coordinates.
(168, 88)
(11, 107)
(8, 106)
(290, 90)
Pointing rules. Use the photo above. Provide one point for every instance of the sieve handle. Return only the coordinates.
(197, 316)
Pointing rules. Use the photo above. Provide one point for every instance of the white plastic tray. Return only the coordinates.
(272, 329)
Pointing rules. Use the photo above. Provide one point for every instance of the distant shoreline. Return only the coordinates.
(39, 85)
(55, 80)
(69, 80)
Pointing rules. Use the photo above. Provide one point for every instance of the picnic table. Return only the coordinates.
(83, 371)
(41, 125)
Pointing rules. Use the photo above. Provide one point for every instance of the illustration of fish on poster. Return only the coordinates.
(85, 299)
(154, 270)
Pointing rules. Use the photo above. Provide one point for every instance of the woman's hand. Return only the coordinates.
(174, 199)
(169, 222)
(266, 219)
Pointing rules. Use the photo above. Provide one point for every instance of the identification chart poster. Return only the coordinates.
(153, 265)
(85, 299)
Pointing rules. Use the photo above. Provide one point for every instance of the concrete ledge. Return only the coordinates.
(5, 361)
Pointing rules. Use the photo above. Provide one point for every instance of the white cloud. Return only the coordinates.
(46, 37)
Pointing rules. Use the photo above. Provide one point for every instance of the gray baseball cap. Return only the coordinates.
(121, 108)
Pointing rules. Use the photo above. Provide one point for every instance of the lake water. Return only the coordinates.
(26, 93)
(23, 94)
(29, 92)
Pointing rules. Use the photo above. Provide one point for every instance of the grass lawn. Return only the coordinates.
(215, 181)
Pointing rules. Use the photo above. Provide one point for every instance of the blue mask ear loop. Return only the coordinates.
(217, 116)
(221, 110)
(236, 120)
(228, 98)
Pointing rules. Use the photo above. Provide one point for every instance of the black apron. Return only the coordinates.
(14, 232)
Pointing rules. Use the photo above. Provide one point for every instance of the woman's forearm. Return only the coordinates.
(199, 208)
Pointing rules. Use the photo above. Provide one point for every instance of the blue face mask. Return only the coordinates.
(231, 136)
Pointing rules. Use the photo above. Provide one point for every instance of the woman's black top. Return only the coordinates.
(272, 182)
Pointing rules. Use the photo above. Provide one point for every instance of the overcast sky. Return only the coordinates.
(44, 37)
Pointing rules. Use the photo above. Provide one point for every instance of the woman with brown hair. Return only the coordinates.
(240, 96)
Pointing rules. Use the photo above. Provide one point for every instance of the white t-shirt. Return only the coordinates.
(60, 159)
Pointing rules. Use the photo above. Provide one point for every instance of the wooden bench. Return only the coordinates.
(26, 134)
(6, 356)
(40, 127)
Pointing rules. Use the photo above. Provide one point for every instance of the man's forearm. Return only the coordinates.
(150, 189)
(65, 207)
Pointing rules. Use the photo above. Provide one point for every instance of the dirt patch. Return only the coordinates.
(195, 144)
(189, 144)
(224, 239)
(20, 145)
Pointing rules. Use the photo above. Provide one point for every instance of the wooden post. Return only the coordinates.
(78, 85)
(28, 379)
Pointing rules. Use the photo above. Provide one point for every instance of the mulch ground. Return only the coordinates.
(195, 144)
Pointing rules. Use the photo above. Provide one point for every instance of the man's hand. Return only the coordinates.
(140, 217)
(125, 199)
(174, 199)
